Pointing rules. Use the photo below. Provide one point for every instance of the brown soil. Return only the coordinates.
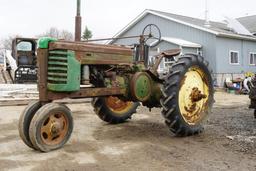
(143, 143)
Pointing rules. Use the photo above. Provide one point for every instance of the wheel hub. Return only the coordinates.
(193, 95)
(141, 86)
(54, 128)
(196, 95)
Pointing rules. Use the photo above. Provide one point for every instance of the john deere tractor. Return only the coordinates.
(118, 79)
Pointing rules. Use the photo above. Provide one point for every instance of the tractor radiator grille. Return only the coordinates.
(57, 67)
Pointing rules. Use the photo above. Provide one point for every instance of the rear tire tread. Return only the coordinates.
(106, 115)
(171, 113)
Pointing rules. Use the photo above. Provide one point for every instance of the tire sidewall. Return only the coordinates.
(39, 119)
(25, 120)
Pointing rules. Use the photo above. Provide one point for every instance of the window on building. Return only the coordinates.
(169, 61)
(252, 58)
(234, 57)
(200, 52)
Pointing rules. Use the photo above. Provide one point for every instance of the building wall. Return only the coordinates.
(173, 29)
(223, 48)
(215, 49)
(224, 68)
(189, 50)
(163, 46)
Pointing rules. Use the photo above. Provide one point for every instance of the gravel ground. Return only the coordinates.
(143, 143)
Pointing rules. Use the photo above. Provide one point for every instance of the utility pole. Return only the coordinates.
(207, 21)
(78, 23)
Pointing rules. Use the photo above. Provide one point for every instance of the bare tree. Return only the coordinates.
(56, 33)
(66, 35)
(6, 43)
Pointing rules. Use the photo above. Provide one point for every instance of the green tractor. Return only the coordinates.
(120, 78)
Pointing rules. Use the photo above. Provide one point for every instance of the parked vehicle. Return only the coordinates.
(120, 78)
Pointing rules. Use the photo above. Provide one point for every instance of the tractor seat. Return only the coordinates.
(171, 53)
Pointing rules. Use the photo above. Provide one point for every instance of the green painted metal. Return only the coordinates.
(57, 58)
(138, 68)
(67, 73)
(156, 94)
(57, 63)
(142, 85)
(43, 42)
(57, 69)
(95, 58)
(56, 79)
(58, 74)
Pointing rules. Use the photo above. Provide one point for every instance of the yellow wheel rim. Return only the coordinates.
(117, 105)
(193, 95)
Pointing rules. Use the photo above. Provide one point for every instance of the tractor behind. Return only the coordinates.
(24, 52)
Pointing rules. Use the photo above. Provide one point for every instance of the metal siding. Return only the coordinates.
(163, 45)
(172, 29)
(189, 50)
(166, 46)
(223, 48)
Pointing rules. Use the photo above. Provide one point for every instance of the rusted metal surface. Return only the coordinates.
(196, 95)
(54, 128)
(85, 53)
(166, 54)
(78, 22)
(90, 47)
(42, 57)
(112, 76)
(87, 92)
(113, 38)
(142, 50)
(88, 53)
(171, 53)
(102, 58)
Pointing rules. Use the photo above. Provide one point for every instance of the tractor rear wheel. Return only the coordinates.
(187, 95)
(114, 110)
(51, 127)
(24, 122)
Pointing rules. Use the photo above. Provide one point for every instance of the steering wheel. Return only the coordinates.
(151, 32)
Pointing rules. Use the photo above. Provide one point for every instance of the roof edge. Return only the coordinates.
(148, 11)
(187, 44)
(132, 23)
(184, 23)
(236, 36)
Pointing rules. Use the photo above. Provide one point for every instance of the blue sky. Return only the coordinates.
(105, 18)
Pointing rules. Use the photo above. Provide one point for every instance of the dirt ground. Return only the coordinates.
(143, 143)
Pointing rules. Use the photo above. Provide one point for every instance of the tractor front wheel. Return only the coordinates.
(113, 110)
(24, 122)
(51, 127)
(187, 95)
